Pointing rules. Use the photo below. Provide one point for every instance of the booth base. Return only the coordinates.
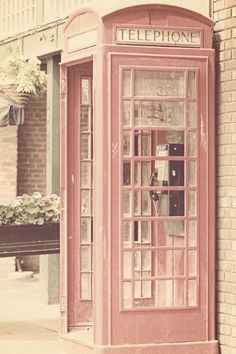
(70, 345)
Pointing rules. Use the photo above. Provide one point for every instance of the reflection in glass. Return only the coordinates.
(191, 84)
(127, 82)
(159, 83)
(191, 173)
(192, 114)
(159, 113)
(85, 231)
(192, 144)
(126, 113)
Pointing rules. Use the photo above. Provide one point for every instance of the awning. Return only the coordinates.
(11, 113)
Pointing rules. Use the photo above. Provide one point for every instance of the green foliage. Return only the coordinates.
(24, 73)
(31, 209)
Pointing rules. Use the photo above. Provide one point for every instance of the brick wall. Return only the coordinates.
(8, 173)
(32, 148)
(225, 44)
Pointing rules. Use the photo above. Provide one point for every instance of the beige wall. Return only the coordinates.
(104, 6)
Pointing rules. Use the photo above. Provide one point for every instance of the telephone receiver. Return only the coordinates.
(153, 194)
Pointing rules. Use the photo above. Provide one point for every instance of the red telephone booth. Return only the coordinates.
(137, 183)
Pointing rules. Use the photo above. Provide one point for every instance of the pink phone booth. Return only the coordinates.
(137, 183)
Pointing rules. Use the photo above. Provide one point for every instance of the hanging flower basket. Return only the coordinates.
(10, 90)
(21, 77)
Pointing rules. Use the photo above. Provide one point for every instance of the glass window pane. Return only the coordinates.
(145, 232)
(159, 113)
(126, 173)
(164, 263)
(136, 174)
(191, 84)
(178, 262)
(146, 260)
(192, 144)
(85, 260)
(85, 175)
(84, 118)
(192, 292)
(175, 228)
(164, 293)
(192, 203)
(137, 203)
(146, 172)
(192, 114)
(191, 170)
(159, 83)
(85, 146)
(127, 234)
(127, 203)
(146, 144)
(85, 230)
(127, 265)
(127, 294)
(126, 113)
(192, 235)
(85, 91)
(85, 203)
(192, 263)
(179, 298)
(85, 286)
(126, 143)
(146, 203)
(127, 82)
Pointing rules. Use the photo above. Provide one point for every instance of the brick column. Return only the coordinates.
(225, 44)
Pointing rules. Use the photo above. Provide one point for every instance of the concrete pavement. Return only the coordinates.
(26, 325)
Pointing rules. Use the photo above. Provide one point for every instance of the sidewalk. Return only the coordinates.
(26, 325)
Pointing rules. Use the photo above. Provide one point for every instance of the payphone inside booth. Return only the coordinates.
(137, 182)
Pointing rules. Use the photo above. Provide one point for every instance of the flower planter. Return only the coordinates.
(29, 239)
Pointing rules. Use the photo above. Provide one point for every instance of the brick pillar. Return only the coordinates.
(225, 43)
(8, 176)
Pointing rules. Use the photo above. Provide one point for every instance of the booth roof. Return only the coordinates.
(10, 112)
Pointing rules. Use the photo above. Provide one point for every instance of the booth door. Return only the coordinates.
(159, 204)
